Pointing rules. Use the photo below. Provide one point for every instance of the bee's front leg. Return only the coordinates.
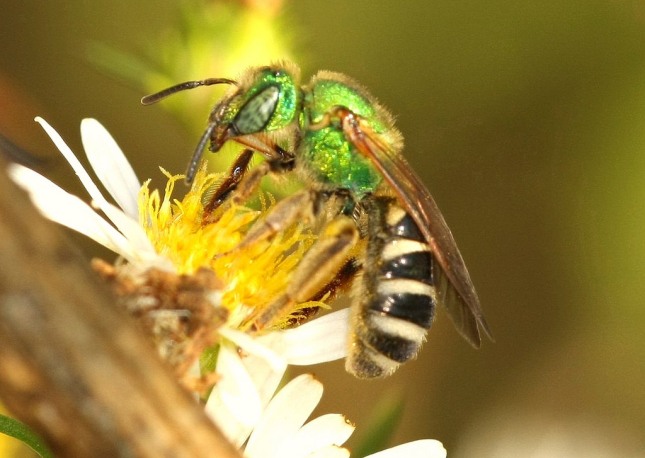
(241, 182)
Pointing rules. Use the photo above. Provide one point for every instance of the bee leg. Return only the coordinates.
(337, 285)
(241, 182)
(320, 266)
(285, 213)
(251, 181)
(213, 199)
(341, 281)
(395, 296)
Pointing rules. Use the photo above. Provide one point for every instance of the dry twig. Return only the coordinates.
(75, 367)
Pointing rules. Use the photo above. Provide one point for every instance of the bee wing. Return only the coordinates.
(454, 287)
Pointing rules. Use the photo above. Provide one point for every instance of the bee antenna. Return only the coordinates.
(157, 96)
(197, 155)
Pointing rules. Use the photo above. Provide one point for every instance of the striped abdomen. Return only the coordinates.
(395, 297)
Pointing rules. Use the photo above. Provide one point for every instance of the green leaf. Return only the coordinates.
(14, 428)
(382, 423)
(118, 64)
(208, 359)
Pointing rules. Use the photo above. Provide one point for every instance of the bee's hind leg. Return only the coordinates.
(319, 268)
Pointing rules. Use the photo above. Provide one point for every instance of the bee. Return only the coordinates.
(342, 144)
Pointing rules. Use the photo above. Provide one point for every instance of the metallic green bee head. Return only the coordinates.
(265, 100)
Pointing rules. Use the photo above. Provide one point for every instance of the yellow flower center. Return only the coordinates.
(253, 275)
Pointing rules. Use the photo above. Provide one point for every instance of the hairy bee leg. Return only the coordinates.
(235, 175)
(395, 296)
(241, 182)
(341, 281)
(251, 182)
(285, 213)
(237, 194)
(316, 270)
(336, 286)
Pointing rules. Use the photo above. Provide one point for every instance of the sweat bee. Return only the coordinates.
(342, 144)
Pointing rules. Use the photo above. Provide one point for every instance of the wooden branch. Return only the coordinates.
(72, 365)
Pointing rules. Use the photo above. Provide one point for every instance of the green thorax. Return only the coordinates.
(327, 154)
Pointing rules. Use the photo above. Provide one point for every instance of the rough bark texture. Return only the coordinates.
(72, 365)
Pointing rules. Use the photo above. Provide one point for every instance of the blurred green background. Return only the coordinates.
(525, 119)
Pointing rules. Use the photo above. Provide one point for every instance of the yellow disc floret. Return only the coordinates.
(253, 274)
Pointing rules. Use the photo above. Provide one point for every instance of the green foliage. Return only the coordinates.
(14, 428)
(381, 425)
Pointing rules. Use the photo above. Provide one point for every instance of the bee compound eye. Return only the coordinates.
(257, 112)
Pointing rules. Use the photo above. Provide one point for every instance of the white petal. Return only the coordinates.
(318, 341)
(70, 211)
(73, 161)
(264, 366)
(131, 229)
(319, 434)
(330, 452)
(92, 189)
(234, 404)
(284, 415)
(426, 448)
(255, 347)
(111, 166)
(265, 377)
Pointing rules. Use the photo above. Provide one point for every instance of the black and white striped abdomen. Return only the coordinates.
(395, 298)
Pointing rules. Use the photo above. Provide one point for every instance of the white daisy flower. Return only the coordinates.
(165, 245)
(247, 383)
(121, 232)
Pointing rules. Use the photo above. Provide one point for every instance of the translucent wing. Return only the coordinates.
(454, 287)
